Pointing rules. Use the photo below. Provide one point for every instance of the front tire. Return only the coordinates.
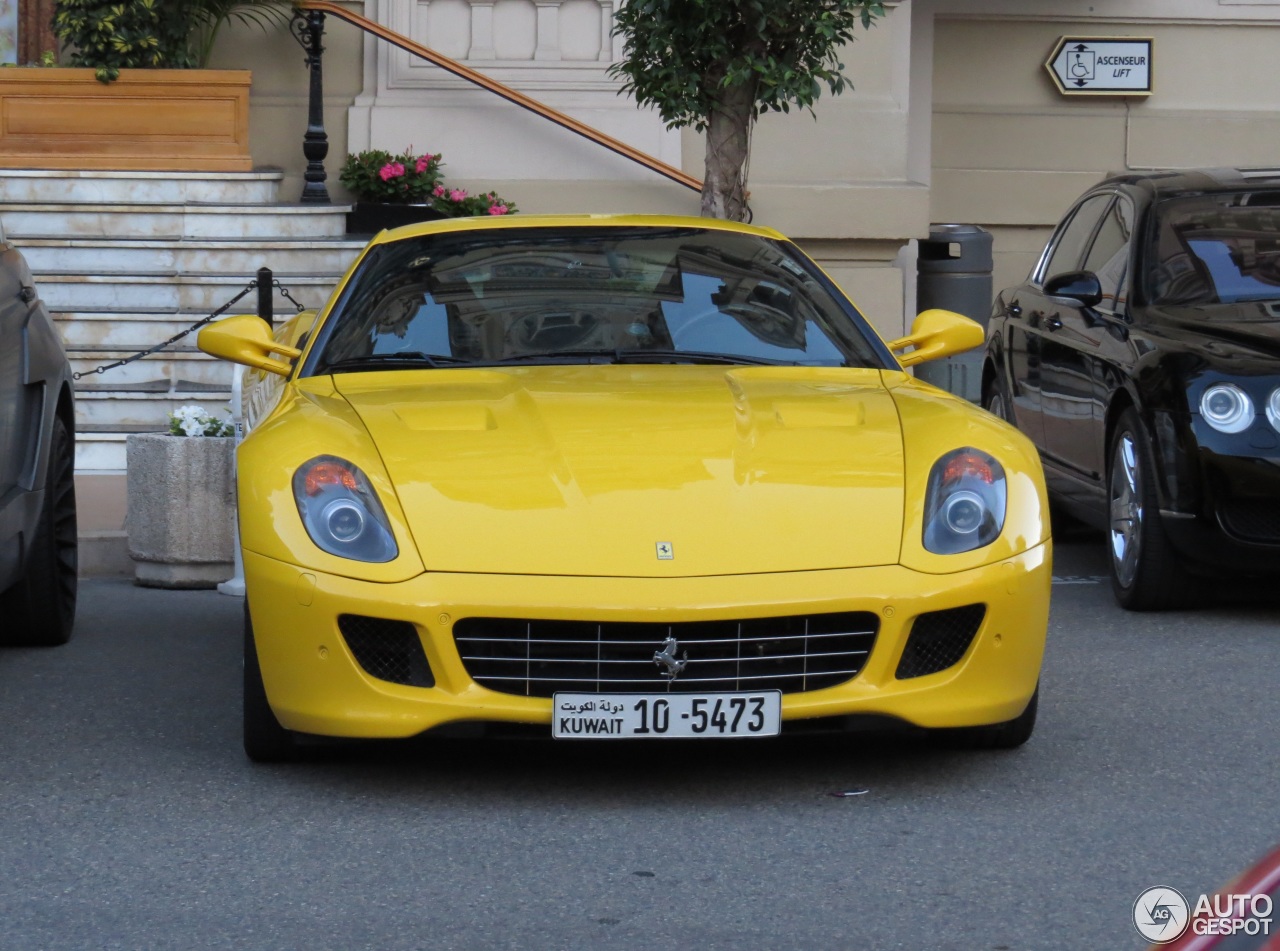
(1145, 573)
(998, 736)
(996, 402)
(265, 740)
(40, 609)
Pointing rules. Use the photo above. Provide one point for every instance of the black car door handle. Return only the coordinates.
(27, 294)
(1053, 322)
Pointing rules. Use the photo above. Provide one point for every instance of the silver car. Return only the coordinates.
(37, 466)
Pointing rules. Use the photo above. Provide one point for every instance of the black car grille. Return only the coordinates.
(939, 639)
(388, 650)
(537, 658)
(1252, 520)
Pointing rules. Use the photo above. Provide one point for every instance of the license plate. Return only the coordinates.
(601, 716)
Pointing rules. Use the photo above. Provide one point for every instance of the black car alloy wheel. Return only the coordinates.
(1145, 574)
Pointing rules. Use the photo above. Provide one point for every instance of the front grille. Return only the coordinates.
(939, 639)
(1252, 520)
(537, 658)
(388, 650)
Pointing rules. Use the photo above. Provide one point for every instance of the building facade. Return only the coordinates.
(953, 118)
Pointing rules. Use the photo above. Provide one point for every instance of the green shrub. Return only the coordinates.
(111, 35)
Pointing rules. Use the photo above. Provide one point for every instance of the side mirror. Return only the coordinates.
(246, 339)
(936, 334)
(1081, 286)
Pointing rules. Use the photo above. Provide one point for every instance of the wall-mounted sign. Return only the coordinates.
(1101, 66)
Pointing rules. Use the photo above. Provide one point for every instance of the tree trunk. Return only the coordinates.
(724, 187)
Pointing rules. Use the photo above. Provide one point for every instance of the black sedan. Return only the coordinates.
(1142, 356)
(37, 466)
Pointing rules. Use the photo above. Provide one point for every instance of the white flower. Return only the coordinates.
(192, 420)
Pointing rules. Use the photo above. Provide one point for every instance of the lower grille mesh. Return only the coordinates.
(939, 639)
(536, 658)
(388, 650)
(1252, 520)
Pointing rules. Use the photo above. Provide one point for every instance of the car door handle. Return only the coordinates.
(1053, 322)
(27, 294)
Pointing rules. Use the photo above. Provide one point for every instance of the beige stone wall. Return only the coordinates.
(1011, 153)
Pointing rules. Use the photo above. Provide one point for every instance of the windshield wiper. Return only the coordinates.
(391, 361)
(694, 356)
(619, 355)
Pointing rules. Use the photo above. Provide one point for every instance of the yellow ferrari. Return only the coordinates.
(614, 477)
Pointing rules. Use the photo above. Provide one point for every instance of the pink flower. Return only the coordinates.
(498, 209)
(423, 162)
(391, 170)
(458, 194)
(438, 191)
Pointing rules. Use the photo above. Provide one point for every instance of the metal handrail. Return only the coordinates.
(321, 7)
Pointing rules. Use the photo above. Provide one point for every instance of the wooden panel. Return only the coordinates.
(159, 120)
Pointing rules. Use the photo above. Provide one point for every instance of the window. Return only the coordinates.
(1108, 258)
(1067, 247)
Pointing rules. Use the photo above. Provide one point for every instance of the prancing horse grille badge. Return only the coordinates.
(667, 660)
(666, 552)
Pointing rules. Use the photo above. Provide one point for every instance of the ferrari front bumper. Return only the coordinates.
(315, 685)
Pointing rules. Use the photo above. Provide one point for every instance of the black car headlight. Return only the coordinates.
(1226, 408)
(341, 512)
(964, 505)
(1273, 409)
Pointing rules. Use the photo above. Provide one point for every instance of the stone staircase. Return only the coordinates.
(125, 260)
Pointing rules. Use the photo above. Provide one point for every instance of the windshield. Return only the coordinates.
(1216, 248)
(590, 294)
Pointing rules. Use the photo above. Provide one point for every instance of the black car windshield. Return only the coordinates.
(527, 296)
(1216, 248)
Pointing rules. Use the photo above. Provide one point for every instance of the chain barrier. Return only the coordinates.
(284, 292)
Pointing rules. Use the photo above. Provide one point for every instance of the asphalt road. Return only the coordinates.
(130, 819)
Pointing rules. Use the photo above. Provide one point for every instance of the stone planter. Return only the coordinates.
(191, 120)
(181, 494)
(370, 217)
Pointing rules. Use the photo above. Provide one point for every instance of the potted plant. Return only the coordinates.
(181, 497)
(393, 190)
(134, 96)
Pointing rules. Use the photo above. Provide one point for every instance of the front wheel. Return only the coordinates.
(996, 402)
(998, 736)
(1145, 573)
(265, 740)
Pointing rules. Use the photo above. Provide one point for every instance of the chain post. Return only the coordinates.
(265, 307)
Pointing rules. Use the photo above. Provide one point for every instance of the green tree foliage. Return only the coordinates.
(716, 65)
(111, 35)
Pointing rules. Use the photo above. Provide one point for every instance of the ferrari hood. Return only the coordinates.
(640, 471)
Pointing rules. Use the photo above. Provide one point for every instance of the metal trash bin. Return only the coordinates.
(953, 271)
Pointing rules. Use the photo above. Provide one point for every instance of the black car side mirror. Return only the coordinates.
(1082, 286)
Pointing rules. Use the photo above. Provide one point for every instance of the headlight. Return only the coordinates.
(965, 503)
(341, 512)
(1226, 408)
(1273, 409)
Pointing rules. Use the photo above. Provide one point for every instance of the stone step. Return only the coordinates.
(167, 290)
(102, 449)
(140, 329)
(143, 406)
(23, 220)
(173, 365)
(240, 256)
(72, 186)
